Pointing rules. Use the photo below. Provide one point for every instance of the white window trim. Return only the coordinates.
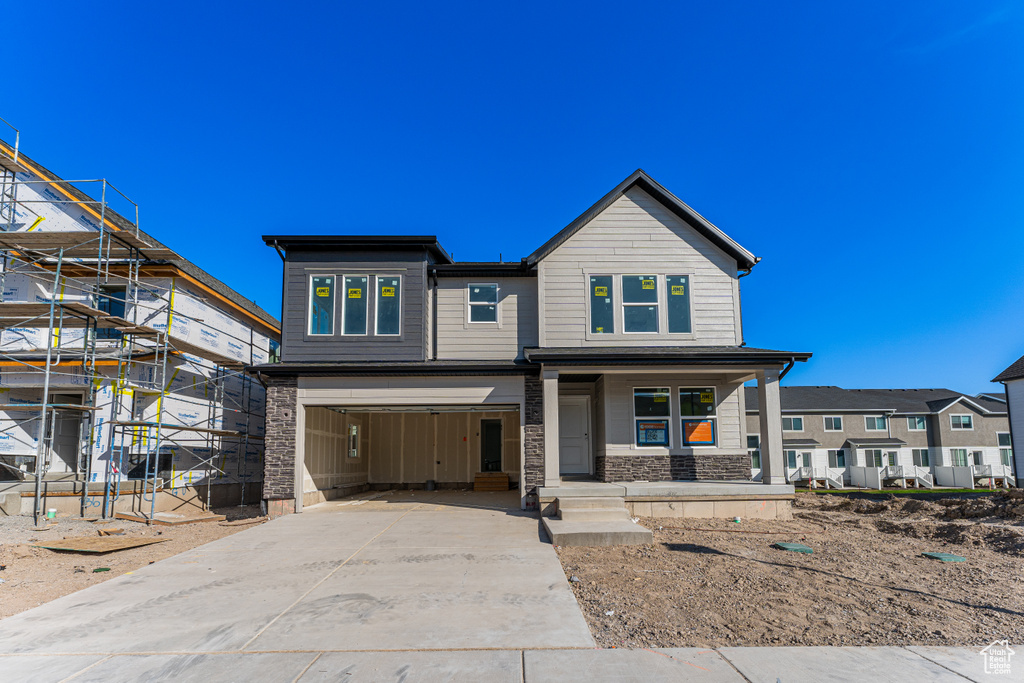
(952, 457)
(309, 306)
(376, 304)
(496, 304)
(791, 418)
(826, 418)
(657, 304)
(616, 323)
(667, 418)
(875, 428)
(961, 429)
(916, 428)
(713, 417)
(344, 305)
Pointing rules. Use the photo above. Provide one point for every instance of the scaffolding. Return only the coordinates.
(85, 293)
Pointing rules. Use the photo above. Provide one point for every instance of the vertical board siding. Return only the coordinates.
(637, 235)
(457, 339)
(326, 463)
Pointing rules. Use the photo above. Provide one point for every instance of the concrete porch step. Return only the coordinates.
(572, 514)
(566, 533)
(578, 503)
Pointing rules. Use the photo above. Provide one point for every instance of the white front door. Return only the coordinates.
(574, 435)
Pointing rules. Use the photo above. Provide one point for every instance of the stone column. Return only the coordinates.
(773, 466)
(280, 444)
(551, 465)
(533, 434)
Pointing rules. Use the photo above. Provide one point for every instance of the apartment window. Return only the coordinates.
(792, 424)
(754, 449)
(1006, 456)
(697, 409)
(873, 457)
(1005, 448)
(640, 303)
(111, 302)
(651, 414)
(602, 305)
(806, 458)
(321, 304)
(961, 422)
(389, 305)
(678, 304)
(833, 424)
(1003, 439)
(837, 459)
(483, 303)
(874, 424)
(978, 457)
(354, 306)
(790, 459)
(921, 458)
(958, 457)
(917, 423)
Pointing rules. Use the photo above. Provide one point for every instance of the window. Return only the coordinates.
(792, 424)
(874, 424)
(640, 303)
(111, 302)
(483, 303)
(754, 449)
(651, 413)
(963, 422)
(678, 304)
(1003, 438)
(837, 459)
(1005, 449)
(979, 458)
(321, 304)
(354, 315)
(806, 457)
(921, 458)
(873, 457)
(958, 456)
(917, 423)
(602, 305)
(697, 410)
(389, 305)
(833, 424)
(791, 459)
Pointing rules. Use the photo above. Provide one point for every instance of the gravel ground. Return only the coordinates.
(32, 576)
(712, 583)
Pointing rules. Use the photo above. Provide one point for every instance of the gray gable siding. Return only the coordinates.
(637, 235)
(298, 346)
(458, 339)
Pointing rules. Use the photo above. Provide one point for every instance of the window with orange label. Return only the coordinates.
(698, 411)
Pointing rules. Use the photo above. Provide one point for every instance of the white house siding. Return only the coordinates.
(457, 338)
(637, 235)
(1015, 399)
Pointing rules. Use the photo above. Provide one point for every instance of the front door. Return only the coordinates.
(490, 445)
(67, 424)
(574, 435)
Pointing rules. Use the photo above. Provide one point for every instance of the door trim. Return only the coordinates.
(587, 427)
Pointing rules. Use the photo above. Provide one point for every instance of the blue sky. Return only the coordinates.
(872, 154)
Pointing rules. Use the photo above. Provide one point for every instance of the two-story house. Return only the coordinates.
(893, 434)
(613, 353)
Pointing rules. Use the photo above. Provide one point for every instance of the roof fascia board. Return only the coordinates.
(318, 242)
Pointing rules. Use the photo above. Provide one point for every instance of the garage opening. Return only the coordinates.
(353, 449)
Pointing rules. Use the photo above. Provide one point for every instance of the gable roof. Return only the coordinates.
(640, 179)
(823, 399)
(1015, 371)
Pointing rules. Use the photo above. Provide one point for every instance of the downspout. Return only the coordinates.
(739, 297)
(280, 253)
(789, 366)
(433, 313)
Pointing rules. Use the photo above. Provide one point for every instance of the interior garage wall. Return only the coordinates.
(411, 448)
(326, 464)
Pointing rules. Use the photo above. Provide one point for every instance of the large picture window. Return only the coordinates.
(837, 458)
(697, 408)
(958, 457)
(355, 296)
(321, 304)
(602, 305)
(483, 303)
(678, 303)
(651, 413)
(640, 303)
(389, 305)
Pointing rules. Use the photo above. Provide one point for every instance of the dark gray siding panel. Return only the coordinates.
(298, 346)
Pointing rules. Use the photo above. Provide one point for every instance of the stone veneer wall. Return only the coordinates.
(279, 456)
(533, 444)
(697, 466)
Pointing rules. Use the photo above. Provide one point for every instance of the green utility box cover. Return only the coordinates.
(945, 557)
(794, 547)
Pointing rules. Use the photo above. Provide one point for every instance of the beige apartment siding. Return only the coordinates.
(637, 235)
(458, 339)
(983, 435)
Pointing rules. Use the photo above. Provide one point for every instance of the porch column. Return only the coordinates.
(773, 469)
(551, 464)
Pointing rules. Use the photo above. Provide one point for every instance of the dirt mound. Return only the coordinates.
(1001, 506)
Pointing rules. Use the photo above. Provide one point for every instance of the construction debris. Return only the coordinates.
(168, 518)
(102, 544)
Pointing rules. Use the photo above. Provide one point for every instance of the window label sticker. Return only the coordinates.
(387, 291)
(600, 291)
(660, 399)
(678, 290)
(355, 294)
(600, 329)
(653, 433)
(707, 397)
(699, 432)
(323, 291)
(647, 284)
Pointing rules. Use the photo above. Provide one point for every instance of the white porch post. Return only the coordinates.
(773, 470)
(551, 463)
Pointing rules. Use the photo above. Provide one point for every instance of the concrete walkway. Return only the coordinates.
(406, 587)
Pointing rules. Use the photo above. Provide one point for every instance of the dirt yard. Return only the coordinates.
(716, 583)
(31, 576)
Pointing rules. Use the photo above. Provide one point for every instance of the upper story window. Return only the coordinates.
(111, 302)
(321, 304)
(834, 424)
(874, 424)
(1004, 439)
(678, 288)
(602, 304)
(389, 305)
(483, 303)
(640, 303)
(964, 422)
(651, 412)
(354, 305)
(917, 423)
(792, 424)
(698, 412)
